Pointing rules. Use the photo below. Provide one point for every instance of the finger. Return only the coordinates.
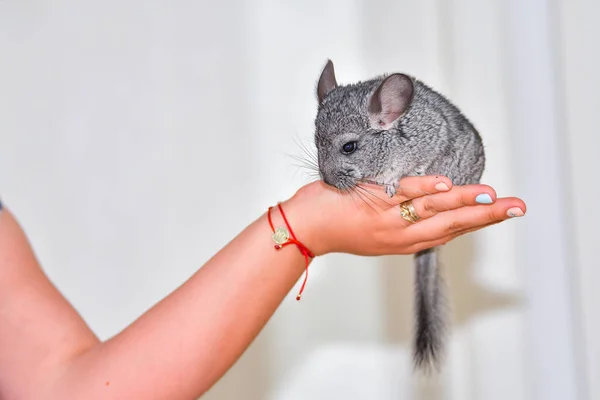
(411, 187)
(459, 196)
(461, 219)
(442, 241)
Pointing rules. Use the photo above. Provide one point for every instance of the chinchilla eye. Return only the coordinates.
(349, 147)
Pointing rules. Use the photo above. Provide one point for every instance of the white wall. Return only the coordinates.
(580, 60)
(136, 138)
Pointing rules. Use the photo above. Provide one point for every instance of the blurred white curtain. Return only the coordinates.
(137, 138)
(579, 39)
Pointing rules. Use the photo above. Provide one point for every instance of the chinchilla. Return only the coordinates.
(386, 128)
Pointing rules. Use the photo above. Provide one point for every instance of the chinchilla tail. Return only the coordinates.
(430, 311)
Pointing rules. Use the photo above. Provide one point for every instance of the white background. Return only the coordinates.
(137, 138)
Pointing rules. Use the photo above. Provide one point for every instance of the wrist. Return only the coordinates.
(308, 219)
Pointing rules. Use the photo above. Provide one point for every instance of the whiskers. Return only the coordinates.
(368, 196)
(307, 160)
(405, 190)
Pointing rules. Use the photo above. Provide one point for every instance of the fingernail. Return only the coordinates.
(514, 212)
(484, 198)
(442, 187)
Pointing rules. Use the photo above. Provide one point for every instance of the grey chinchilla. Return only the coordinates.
(386, 128)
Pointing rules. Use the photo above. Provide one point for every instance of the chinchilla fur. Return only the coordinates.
(386, 128)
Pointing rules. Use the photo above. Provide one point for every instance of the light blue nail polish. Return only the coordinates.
(484, 198)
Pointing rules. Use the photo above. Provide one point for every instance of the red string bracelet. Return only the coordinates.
(281, 237)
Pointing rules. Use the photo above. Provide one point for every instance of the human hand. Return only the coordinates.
(367, 222)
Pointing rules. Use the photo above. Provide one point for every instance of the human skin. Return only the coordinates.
(185, 343)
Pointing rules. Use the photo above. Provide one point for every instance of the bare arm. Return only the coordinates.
(184, 344)
(176, 350)
(38, 328)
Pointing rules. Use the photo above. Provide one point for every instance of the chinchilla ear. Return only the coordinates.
(327, 81)
(390, 100)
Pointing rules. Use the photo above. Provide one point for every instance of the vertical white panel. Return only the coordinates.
(580, 58)
(543, 254)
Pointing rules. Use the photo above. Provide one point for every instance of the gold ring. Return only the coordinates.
(407, 211)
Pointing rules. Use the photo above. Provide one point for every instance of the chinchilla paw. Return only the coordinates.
(390, 190)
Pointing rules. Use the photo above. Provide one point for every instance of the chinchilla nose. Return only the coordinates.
(326, 177)
(328, 171)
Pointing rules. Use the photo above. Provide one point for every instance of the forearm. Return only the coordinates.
(184, 344)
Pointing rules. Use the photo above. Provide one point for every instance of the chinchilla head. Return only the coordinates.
(357, 127)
